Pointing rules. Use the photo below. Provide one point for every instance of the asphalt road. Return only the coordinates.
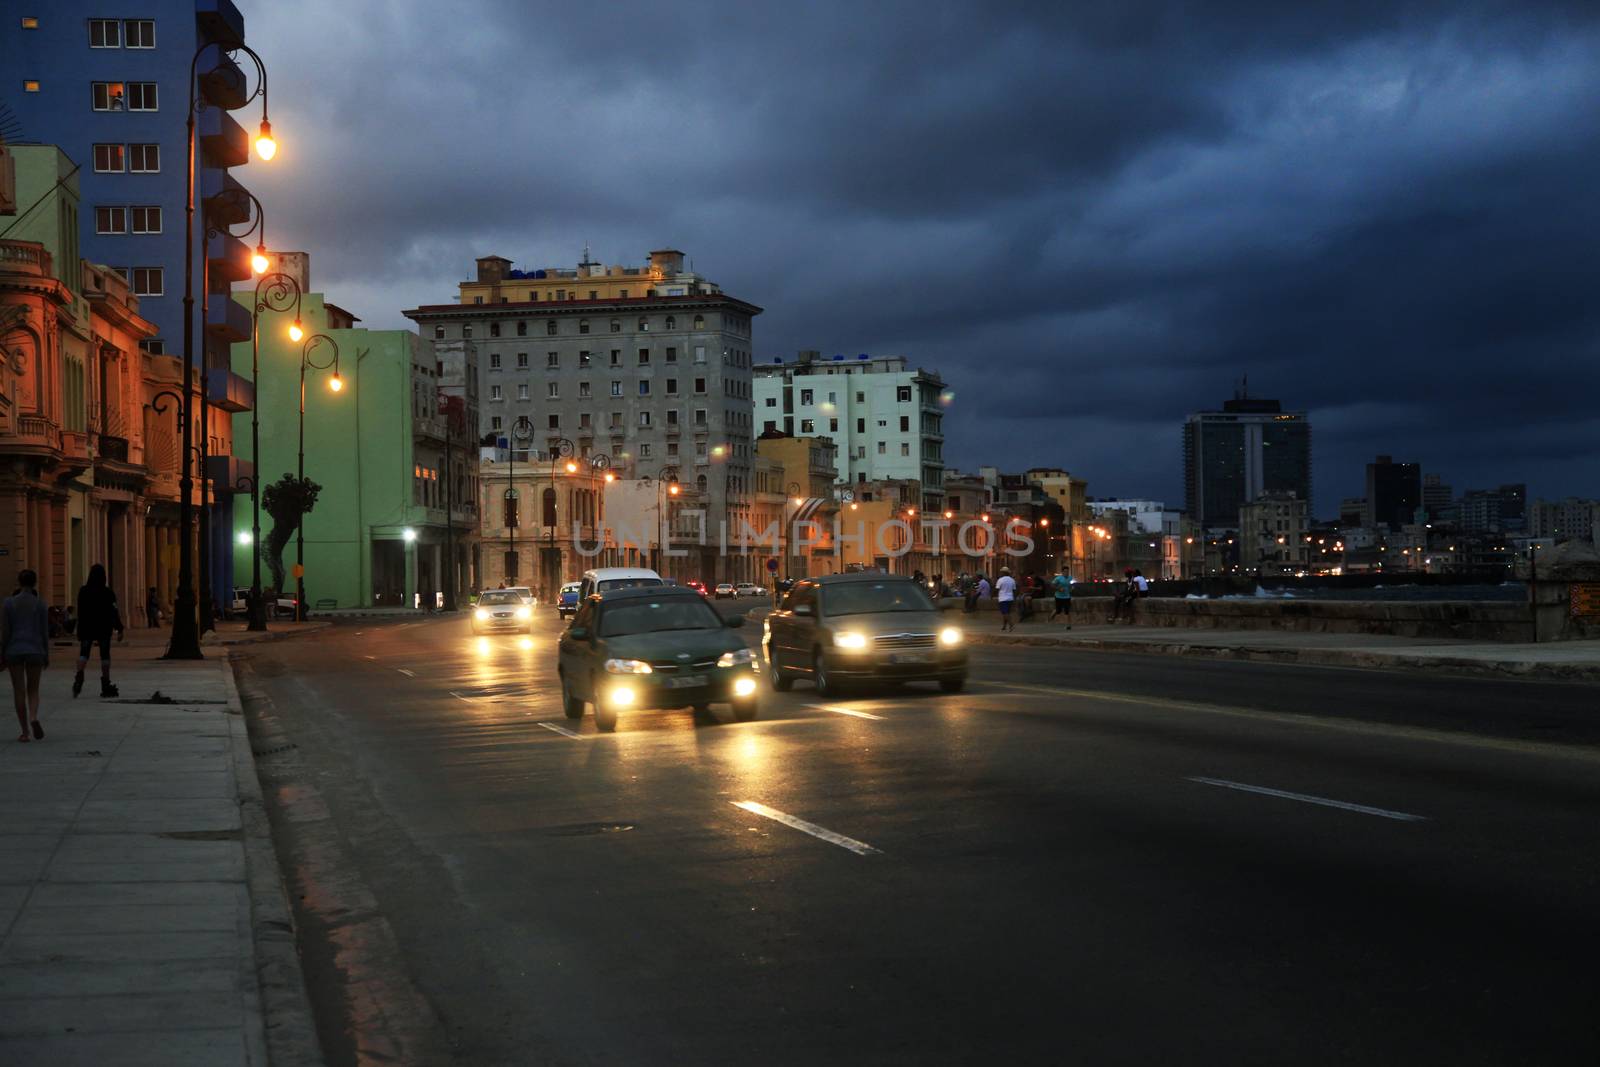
(1088, 858)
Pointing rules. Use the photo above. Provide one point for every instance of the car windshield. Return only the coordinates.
(627, 583)
(650, 616)
(864, 598)
(498, 596)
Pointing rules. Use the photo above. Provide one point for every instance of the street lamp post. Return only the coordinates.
(185, 643)
(666, 484)
(449, 507)
(335, 384)
(791, 495)
(521, 431)
(274, 292)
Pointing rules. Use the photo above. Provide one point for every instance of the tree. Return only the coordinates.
(288, 500)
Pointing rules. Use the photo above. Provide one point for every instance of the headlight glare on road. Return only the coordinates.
(737, 658)
(621, 696)
(850, 639)
(482, 614)
(524, 612)
(744, 687)
(950, 636)
(627, 666)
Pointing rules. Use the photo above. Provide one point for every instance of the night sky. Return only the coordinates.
(1090, 218)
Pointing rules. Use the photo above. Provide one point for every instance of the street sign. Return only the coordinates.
(1584, 599)
(298, 570)
(772, 564)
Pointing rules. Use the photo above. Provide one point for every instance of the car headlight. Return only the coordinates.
(736, 659)
(950, 636)
(524, 612)
(744, 687)
(850, 639)
(622, 696)
(627, 666)
(482, 614)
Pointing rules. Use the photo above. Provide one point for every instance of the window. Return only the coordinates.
(550, 328)
(833, 398)
(861, 426)
(644, 450)
(903, 394)
(616, 419)
(141, 33)
(700, 448)
(861, 398)
(107, 96)
(511, 518)
(672, 450)
(583, 420)
(496, 422)
(522, 329)
(699, 385)
(438, 333)
(466, 331)
(146, 219)
(30, 22)
(644, 356)
(769, 426)
(583, 359)
(905, 448)
(494, 361)
(672, 387)
(144, 158)
(477, 300)
(805, 396)
(833, 425)
(108, 159)
(616, 388)
(616, 357)
(583, 389)
(552, 360)
(905, 423)
(644, 388)
(672, 416)
(142, 96)
(153, 346)
(699, 416)
(148, 281)
(30, 85)
(644, 418)
(522, 360)
(883, 448)
(699, 353)
(110, 220)
(555, 422)
(494, 393)
(583, 325)
(105, 33)
(522, 390)
(808, 426)
(494, 329)
(699, 322)
(594, 294)
(772, 401)
(672, 355)
(623, 294)
(672, 323)
(552, 390)
(616, 325)
(644, 325)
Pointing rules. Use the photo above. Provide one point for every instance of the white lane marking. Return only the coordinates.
(369, 657)
(458, 696)
(845, 711)
(860, 848)
(1342, 805)
(405, 672)
(562, 730)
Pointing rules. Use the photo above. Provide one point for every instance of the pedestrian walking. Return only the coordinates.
(98, 618)
(152, 609)
(1061, 585)
(1005, 591)
(25, 650)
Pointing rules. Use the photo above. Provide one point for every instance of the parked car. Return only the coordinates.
(567, 599)
(638, 648)
(501, 609)
(281, 607)
(697, 585)
(725, 590)
(853, 628)
(749, 589)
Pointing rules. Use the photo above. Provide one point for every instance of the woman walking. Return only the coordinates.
(97, 618)
(25, 649)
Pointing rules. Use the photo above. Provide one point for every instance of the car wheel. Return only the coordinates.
(825, 685)
(745, 710)
(779, 681)
(570, 704)
(953, 685)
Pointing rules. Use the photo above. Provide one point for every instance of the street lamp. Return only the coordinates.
(521, 432)
(185, 643)
(335, 384)
(666, 483)
(277, 292)
(791, 494)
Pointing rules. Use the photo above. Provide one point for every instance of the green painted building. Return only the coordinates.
(378, 448)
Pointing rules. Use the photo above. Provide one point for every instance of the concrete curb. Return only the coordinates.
(1321, 657)
(289, 1027)
(268, 635)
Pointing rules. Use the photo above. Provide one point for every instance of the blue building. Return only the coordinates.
(109, 87)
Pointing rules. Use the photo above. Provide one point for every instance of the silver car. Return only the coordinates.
(843, 629)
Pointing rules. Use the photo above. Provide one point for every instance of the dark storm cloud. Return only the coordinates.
(1090, 218)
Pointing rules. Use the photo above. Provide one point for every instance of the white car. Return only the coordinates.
(525, 593)
(748, 589)
(501, 609)
(277, 608)
(725, 590)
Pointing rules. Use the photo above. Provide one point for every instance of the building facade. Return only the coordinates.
(1572, 519)
(1394, 493)
(1230, 457)
(1272, 536)
(648, 367)
(885, 417)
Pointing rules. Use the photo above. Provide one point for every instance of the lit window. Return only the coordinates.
(29, 22)
(107, 96)
(109, 159)
(31, 85)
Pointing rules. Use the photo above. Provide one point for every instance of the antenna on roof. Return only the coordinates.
(587, 262)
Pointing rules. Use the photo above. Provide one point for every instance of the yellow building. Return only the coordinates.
(497, 283)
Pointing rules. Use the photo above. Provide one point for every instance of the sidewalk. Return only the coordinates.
(1558, 661)
(142, 914)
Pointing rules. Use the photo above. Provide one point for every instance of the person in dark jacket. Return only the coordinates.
(25, 649)
(98, 617)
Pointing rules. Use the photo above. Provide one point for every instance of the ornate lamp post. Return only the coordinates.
(791, 495)
(666, 486)
(274, 292)
(335, 384)
(521, 432)
(185, 642)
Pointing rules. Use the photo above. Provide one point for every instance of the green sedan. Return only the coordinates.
(653, 647)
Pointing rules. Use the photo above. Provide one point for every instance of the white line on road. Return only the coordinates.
(845, 711)
(405, 672)
(369, 657)
(562, 730)
(860, 848)
(1342, 805)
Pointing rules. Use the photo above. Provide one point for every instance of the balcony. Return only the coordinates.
(227, 321)
(220, 21)
(223, 84)
(228, 260)
(223, 199)
(228, 391)
(113, 449)
(164, 370)
(75, 447)
(223, 140)
(38, 432)
(225, 473)
(25, 257)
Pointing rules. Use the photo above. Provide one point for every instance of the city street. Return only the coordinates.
(1085, 858)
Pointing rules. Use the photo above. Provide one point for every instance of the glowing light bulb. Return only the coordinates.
(258, 261)
(266, 146)
(572, 468)
(336, 383)
(296, 331)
